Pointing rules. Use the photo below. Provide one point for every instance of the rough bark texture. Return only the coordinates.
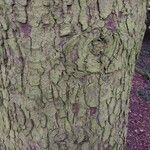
(66, 68)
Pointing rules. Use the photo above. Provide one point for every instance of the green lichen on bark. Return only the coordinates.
(65, 72)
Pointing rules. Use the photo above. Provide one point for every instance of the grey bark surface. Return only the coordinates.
(65, 72)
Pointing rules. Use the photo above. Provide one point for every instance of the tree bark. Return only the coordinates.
(65, 72)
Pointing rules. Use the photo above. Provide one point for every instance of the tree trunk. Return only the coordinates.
(66, 69)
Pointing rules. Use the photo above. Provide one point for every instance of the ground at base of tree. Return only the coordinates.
(138, 137)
